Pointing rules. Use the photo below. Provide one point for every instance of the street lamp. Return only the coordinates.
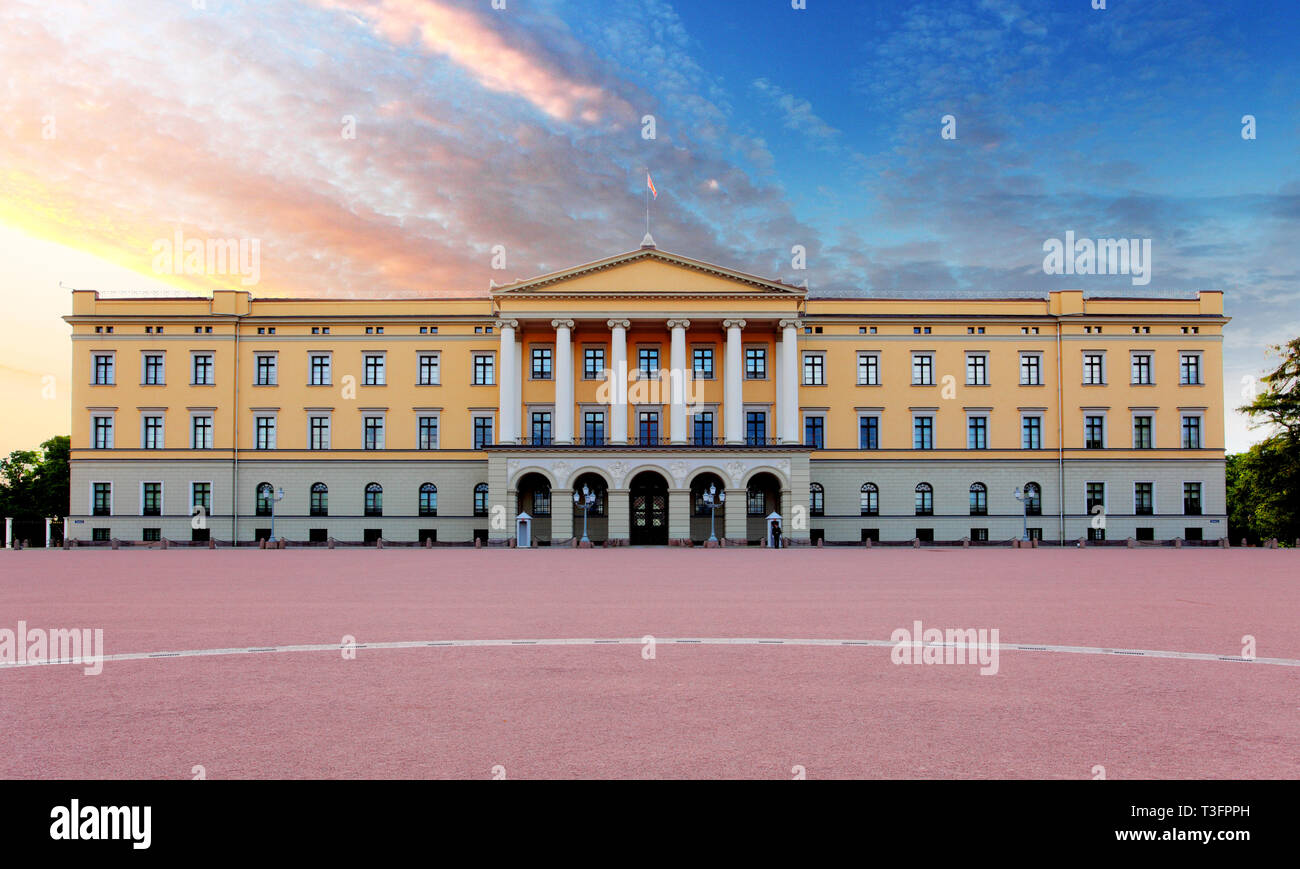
(586, 499)
(713, 499)
(278, 496)
(1024, 512)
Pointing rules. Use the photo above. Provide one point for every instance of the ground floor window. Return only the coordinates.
(872, 534)
(925, 535)
(429, 534)
(99, 534)
(1192, 534)
(979, 535)
(816, 534)
(317, 535)
(1035, 533)
(200, 535)
(372, 535)
(152, 535)
(1097, 534)
(261, 534)
(1146, 534)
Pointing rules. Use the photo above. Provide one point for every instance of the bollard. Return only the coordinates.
(379, 543)
(212, 544)
(820, 541)
(329, 542)
(428, 543)
(1083, 542)
(1130, 543)
(916, 542)
(478, 542)
(164, 543)
(867, 543)
(261, 544)
(1243, 543)
(965, 543)
(113, 543)
(1178, 543)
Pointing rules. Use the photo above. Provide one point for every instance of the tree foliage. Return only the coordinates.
(34, 483)
(1263, 483)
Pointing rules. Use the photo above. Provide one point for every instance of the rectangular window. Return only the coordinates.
(647, 361)
(868, 369)
(1189, 369)
(593, 428)
(1031, 433)
(152, 499)
(979, 500)
(1142, 433)
(922, 369)
(977, 370)
(374, 370)
(1191, 499)
(100, 534)
(1142, 369)
(1094, 369)
(814, 369)
(814, 432)
(1096, 534)
(755, 427)
(979, 535)
(1143, 499)
(869, 433)
(318, 431)
(264, 428)
(702, 362)
(923, 433)
(428, 427)
(541, 428)
(372, 429)
(103, 432)
(429, 374)
(200, 497)
(152, 433)
(102, 500)
(151, 535)
(482, 432)
(755, 363)
(1095, 498)
(266, 369)
(201, 432)
(484, 370)
(1031, 369)
(153, 369)
(593, 363)
(703, 428)
(320, 369)
(1191, 432)
(977, 433)
(542, 363)
(1094, 432)
(202, 363)
(103, 373)
(648, 427)
(869, 500)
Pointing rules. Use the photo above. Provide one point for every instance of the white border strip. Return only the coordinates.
(635, 641)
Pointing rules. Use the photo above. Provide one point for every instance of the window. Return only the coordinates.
(318, 432)
(702, 362)
(647, 361)
(869, 433)
(868, 369)
(923, 433)
(151, 535)
(264, 497)
(429, 375)
(541, 502)
(814, 369)
(153, 369)
(1095, 498)
(593, 363)
(816, 500)
(869, 500)
(703, 426)
(542, 358)
(428, 433)
(265, 369)
(482, 432)
(755, 427)
(320, 499)
(1096, 534)
(428, 500)
(1033, 494)
(541, 428)
(264, 431)
(977, 433)
(103, 370)
(372, 430)
(1190, 534)
(1094, 369)
(1035, 533)
(1144, 534)
(1191, 499)
(152, 433)
(814, 432)
(977, 369)
(1142, 369)
(201, 432)
(755, 363)
(1189, 369)
(1192, 432)
(320, 369)
(922, 369)
(200, 499)
(100, 534)
(924, 499)
(202, 364)
(1142, 433)
(481, 499)
(374, 370)
(979, 499)
(102, 499)
(374, 500)
(979, 535)
(103, 432)
(755, 502)
(593, 428)
(1031, 369)
(1144, 499)
(648, 427)
(484, 370)
(151, 499)
(1031, 433)
(1094, 432)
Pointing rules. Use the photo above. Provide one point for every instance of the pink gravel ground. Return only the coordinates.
(694, 710)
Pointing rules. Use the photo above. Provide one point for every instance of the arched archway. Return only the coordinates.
(704, 520)
(533, 496)
(597, 517)
(648, 514)
(762, 498)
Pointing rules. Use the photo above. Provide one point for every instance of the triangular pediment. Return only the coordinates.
(648, 272)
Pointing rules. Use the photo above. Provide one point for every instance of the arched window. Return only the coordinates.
(1033, 499)
(816, 500)
(596, 484)
(320, 499)
(428, 500)
(265, 497)
(979, 499)
(374, 500)
(924, 499)
(481, 499)
(870, 499)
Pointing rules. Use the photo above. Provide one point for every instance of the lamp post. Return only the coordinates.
(586, 499)
(1024, 513)
(713, 499)
(278, 496)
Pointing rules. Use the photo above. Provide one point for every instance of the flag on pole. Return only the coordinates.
(649, 182)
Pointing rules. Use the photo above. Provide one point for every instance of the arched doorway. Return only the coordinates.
(597, 517)
(762, 497)
(649, 509)
(534, 498)
(702, 522)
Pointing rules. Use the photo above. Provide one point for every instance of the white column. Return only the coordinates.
(563, 381)
(47, 533)
(508, 382)
(788, 396)
(9, 533)
(618, 386)
(679, 379)
(733, 399)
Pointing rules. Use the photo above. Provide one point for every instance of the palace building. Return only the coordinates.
(647, 379)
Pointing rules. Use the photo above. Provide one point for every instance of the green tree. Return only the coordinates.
(34, 483)
(1263, 483)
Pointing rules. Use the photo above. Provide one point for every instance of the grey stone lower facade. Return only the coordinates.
(757, 482)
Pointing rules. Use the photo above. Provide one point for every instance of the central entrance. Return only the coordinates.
(649, 510)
